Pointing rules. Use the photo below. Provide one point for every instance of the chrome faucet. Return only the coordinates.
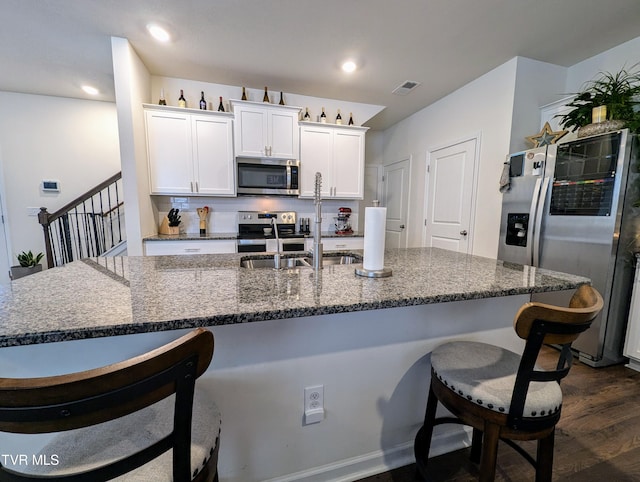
(276, 257)
(317, 236)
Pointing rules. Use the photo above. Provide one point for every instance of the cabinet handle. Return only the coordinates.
(197, 188)
(341, 245)
(191, 186)
(191, 250)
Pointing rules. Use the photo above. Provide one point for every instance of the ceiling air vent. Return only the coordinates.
(406, 87)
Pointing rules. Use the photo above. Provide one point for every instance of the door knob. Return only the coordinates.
(402, 226)
(463, 232)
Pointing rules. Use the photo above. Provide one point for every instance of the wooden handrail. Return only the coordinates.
(46, 219)
(86, 196)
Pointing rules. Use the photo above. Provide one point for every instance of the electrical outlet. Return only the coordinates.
(313, 404)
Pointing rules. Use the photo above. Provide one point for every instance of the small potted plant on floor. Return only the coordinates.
(29, 264)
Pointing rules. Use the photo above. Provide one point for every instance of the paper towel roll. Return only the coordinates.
(375, 220)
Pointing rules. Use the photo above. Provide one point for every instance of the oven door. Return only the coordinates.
(267, 176)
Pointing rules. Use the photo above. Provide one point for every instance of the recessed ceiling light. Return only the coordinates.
(158, 33)
(90, 90)
(349, 66)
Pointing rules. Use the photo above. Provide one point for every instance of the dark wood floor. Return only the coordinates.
(597, 438)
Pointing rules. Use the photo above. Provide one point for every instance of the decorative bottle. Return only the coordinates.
(281, 99)
(323, 117)
(307, 117)
(203, 103)
(182, 102)
(162, 101)
(350, 118)
(220, 106)
(339, 118)
(265, 98)
(244, 94)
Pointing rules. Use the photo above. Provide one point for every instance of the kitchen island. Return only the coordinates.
(366, 341)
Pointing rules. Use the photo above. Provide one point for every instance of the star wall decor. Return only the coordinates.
(546, 136)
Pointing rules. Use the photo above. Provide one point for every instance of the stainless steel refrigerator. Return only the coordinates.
(570, 208)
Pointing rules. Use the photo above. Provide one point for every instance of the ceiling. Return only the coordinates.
(52, 47)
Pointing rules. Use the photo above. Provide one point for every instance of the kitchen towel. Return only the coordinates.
(505, 178)
(375, 220)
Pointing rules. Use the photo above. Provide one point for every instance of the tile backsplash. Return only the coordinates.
(223, 212)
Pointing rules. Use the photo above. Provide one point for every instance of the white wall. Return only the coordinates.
(623, 56)
(133, 88)
(537, 84)
(41, 137)
(482, 107)
(212, 91)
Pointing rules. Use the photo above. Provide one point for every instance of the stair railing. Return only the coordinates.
(87, 226)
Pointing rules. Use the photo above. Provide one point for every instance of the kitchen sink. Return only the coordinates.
(292, 263)
(285, 263)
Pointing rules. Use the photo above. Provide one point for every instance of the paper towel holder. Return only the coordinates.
(374, 273)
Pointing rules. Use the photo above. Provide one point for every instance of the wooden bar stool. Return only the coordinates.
(143, 419)
(505, 396)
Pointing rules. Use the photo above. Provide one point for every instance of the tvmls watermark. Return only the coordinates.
(26, 460)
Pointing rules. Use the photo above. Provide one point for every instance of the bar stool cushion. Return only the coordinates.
(90, 447)
(485, 375)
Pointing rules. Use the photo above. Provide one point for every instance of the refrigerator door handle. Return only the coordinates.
(532, 215)
(538, 221)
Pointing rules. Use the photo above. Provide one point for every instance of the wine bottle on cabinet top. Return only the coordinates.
(265, 98)
(162, 101)
(323, 117)
(182, 102)
(244, 94)
(307, 117)
(281, 99)
(339, 118)
(350, 118)
(220, 106)
(203, 103)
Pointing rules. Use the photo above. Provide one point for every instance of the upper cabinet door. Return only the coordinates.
(189, 152)
(283, 128)
(316, 154)
(337, 152)
(169, 152)
(213, 155)
(348, 159)
(265, 130)
(251, 131)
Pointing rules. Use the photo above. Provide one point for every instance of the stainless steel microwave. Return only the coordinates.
(278, 177)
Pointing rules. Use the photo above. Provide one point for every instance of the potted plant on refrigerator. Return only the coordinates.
(607, 103)
(29, 264)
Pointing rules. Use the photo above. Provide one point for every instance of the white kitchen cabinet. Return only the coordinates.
(337, 244)
(632, 341)
(337, 152)
(188, 246)
(190, 152)
(265, 130)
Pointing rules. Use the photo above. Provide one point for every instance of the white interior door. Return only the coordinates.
(396, 200)
(448, 211)
(372, 191)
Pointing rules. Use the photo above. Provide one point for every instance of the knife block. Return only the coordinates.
(166, 229)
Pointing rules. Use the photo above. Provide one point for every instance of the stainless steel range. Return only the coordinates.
(252, 237)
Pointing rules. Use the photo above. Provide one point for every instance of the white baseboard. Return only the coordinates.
(376, 462)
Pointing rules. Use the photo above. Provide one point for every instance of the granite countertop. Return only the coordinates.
(124, 295)
(191, 236)
(213, 236)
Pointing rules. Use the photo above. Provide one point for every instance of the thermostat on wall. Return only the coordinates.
(49, 185)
